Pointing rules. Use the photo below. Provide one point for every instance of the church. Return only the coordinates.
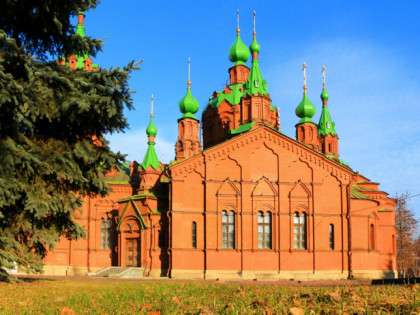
(240, 200)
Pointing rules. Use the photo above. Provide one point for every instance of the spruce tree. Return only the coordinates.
(52, 122)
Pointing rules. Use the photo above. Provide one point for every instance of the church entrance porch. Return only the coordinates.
(133, 256)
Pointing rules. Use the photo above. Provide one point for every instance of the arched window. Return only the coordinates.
(331, 236)
(106, 233)
(194, 235)
(372, 237)
(299, 221)
(264, 230)
(228, 229)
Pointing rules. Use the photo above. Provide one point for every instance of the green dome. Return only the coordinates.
(324, 95)
(305, 110)
(188, 105)
(151, 130)
(238, 52)
(255, 47)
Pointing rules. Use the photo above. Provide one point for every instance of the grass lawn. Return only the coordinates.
(93, 297)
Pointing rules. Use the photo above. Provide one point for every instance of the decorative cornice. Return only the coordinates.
(267, 134)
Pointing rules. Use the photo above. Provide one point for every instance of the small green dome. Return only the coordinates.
(151, 130)
(324, 95)
(305, 110)
(255, 47)
(238, 52)
(188, 104)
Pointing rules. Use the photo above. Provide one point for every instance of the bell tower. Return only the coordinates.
(328, 138)
(188, 143)
(306, 129)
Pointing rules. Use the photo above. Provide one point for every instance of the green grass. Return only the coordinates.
(83, 297)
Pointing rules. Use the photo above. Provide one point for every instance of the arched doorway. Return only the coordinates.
(130, 246)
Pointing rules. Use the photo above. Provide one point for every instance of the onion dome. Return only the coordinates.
(305, 110)
(238, 52)
(324, 95)
(255, 47)
(188, 105)
(151, 130)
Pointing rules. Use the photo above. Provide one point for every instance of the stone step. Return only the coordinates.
(119, 272)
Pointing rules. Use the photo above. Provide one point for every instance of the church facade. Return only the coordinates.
(245, 202)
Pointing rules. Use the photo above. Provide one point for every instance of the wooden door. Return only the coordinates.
(133, 252)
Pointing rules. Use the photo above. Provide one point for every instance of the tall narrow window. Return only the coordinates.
(299, 221)
(228, 229)
(194, 235)
(106, 233)
(264, 230)
(332, 236)
(372, 237)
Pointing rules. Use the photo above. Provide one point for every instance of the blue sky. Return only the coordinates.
(370, 50)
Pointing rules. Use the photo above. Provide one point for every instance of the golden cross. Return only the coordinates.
(304, 74)
(323, 75)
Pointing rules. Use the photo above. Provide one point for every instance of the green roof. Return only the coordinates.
(242, 128)
(233, 98)
(357, 194)
(337, 159)
(150, 157)
(255, 83)
(326, 125)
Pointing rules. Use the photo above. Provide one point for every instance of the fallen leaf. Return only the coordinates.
(154, 313)
(335, 296)
(176, 300)
(67, 311)
(296, 311)
(268, 311)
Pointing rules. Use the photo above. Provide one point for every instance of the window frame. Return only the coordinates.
(300, 232)
(266, 230)
(228, 229)
(106, 233)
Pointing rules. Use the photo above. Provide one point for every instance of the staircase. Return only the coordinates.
(119, 272)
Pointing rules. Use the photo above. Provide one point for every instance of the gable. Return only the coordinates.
(273, 141)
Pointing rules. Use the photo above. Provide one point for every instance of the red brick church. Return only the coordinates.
(248, 202)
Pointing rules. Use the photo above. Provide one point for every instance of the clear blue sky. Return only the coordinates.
(370, 50)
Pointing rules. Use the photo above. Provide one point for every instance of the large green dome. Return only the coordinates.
(238, 52)
(188, 105)
(305, 110)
